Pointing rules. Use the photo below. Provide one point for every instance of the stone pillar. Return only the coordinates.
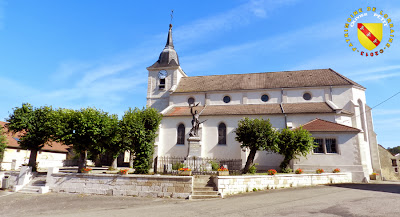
(194, 147)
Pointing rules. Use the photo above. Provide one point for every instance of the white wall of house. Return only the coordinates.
(44, 159)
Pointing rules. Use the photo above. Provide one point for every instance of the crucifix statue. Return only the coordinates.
(194, 132)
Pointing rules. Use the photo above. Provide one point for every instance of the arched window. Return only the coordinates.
(181, 135)
(221, 134)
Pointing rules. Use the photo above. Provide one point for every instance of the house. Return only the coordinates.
(390, 164)
(14, 156)
(332, 107)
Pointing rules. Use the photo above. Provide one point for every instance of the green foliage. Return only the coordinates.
(87, 129)
(286, 170)
(293, 143)
(177, 166)
(35, 127)
(253, 169)
(256, 134)
(214, 165)
(3, 143)
(394, 150)
(138, 131)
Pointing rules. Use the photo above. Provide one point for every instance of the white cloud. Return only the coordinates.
(227, 20)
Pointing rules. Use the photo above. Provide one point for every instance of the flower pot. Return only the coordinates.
(223, 173)
(185, 173)
(372, 177)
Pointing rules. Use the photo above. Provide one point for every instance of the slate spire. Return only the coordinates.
(168, 57)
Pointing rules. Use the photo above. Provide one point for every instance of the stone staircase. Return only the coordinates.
(203, 188)
(34, 186)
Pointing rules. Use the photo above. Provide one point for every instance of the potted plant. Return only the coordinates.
(123, 171)
(86, 170)
(184, 172)
(373, 176)
(337, 170)
(271, 172)
(299, 171)
(319, 171)
(222, 171)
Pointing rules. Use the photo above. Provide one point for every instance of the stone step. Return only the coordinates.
(203, 189)
(205, 193)
(202, 197)
(197, 185)
(29, 191)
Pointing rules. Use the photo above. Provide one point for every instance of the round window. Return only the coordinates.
(227, 99)
(307, 96)
(265, 98)
(191, 100)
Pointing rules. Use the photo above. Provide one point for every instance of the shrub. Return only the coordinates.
(299, 171)
(376, 174)
(214, 165)
(319, 171)
(177, 166)
(184, 169)
(253, 169)
(337, 170)
(271, 172)
(287, 170)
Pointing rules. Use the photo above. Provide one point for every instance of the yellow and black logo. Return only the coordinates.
(374, 30)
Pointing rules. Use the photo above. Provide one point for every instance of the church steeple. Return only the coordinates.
(168, 57)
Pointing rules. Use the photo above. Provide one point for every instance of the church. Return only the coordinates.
(330, 106)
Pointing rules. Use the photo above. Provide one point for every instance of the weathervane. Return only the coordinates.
(172, 16)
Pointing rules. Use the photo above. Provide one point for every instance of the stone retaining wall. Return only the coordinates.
(238, 184)
(121, 185)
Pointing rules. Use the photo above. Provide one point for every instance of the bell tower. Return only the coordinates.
(164, 76)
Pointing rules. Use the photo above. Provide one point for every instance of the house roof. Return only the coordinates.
(13, 142)
(254, 109)
(266, 80)
(319, 125)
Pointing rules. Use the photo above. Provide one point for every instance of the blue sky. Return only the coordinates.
(77, 54)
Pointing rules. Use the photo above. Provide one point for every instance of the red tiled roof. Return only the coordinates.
(319, 125)
(13, 143)
(270, 80)
(254, 109)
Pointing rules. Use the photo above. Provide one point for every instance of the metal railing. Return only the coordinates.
(170, 165)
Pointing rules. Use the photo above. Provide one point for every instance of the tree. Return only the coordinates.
(256, 134)
(394, 150)
(87, 129)
(293, 143)
(3, 143)
(34, 124)
(138, 131)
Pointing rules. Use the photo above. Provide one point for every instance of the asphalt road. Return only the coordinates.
(340, 200)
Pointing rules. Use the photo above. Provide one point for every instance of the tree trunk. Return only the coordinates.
(285, 163)
(32, 160)
(114, 164)
(250, 160)
(82, 161)
(131, 158)
(97, 161)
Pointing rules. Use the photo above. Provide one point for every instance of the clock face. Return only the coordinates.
(162, 74)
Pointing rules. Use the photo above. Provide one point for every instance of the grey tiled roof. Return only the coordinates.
(266, 80)
(254, 109)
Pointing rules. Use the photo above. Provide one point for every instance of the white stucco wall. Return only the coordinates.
(44, 159)
(255, 96)
(296, 95)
